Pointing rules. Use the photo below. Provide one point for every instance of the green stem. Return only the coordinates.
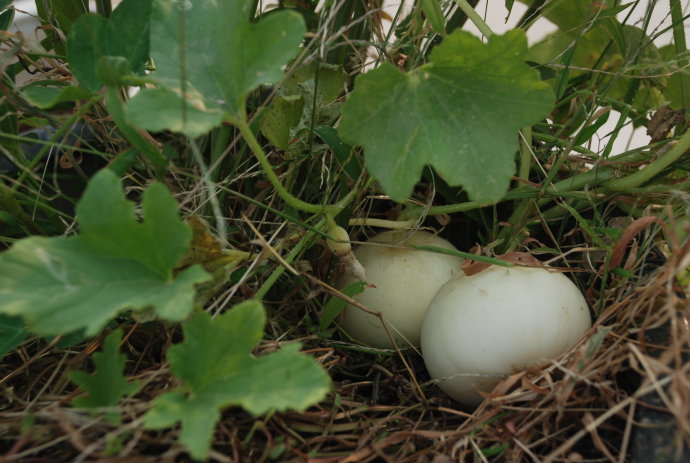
(464, 255)
(382, 223)
(212, 191)
(569, 187)
(9, 203)
(561, 143)
(652, 169)
(680, 48)
(508, 237)
(294, 253)
(104, 8)
(475, 18)
(525, 153)
(291, 200)
(285, 216)
(149, 151)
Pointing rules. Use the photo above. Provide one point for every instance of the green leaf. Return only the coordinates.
(674, 66)
(6, 18)
(305, 99)
(12, 333)
(127, 33)
(159, 109)
(434, 14)
(460, 113)
(124, 34)
(60, 285)
(230, 59)
(335, 305)
(279, 119)
(47, 96)
(217, 370)
(108, 385)
(349, 162)
(587, 132)
(85, 45)
(62, 13)
(584, 30)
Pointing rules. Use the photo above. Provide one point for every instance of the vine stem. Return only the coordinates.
(525, 153)
(475, 18)
(291, 200)
(212, 192)
(296, 250)
(382, 223)
(680, 48)
(654, 168)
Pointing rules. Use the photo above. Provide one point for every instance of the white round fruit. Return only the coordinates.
(403, 283)
(483, 327)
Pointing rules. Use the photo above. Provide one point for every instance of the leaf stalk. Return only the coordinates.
(473, 16)
(291, 200)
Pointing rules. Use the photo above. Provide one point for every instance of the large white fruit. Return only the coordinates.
(404, 282)
(483, 327)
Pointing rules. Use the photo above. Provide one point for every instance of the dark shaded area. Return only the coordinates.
(655, 435)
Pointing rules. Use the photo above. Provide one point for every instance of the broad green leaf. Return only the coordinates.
(586, 26)
(217, 348)
(108, 385)
(223, 64)
(85, 45)
(674, 65)
(62, 13)
(215, 365)
(6, 18)
(158, 109)
(460, 113)
(12, 333)
(124, 34)
(127, 33)
(572, 16)
(278, 121)
(59, 285)
(304, 100)
(47, 96)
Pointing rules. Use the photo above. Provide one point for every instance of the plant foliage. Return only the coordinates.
(170, 166)
(211, 72)
(59, 285)
(107, 385)
(217, 369)
(459, 113)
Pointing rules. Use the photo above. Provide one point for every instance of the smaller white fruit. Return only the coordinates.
(480, 328)
(404, 282)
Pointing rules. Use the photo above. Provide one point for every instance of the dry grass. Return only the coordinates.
(580, 407)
